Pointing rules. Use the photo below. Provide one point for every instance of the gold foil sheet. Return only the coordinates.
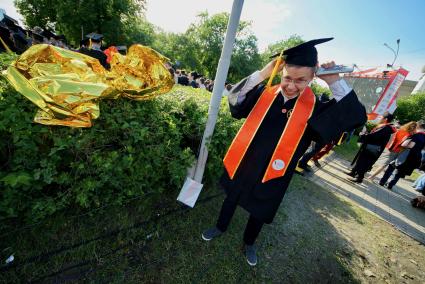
(68, 85)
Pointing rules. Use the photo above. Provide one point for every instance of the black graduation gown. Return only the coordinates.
(413, 160)
(99, 55)
(327, 122)
(380, 137)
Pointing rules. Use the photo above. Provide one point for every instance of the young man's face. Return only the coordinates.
(295, 79)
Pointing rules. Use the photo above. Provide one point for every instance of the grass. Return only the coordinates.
(115, 246)
(314, 237)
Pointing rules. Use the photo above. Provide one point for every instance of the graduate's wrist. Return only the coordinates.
(264, 74)
(331, 79)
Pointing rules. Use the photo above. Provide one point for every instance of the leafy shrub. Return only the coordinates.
(411, 108)
(133, 148)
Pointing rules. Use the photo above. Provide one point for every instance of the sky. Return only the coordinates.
(360, 27)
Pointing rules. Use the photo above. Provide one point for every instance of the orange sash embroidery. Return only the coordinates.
(292, 133)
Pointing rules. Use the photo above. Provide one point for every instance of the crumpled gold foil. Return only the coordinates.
(68, 85)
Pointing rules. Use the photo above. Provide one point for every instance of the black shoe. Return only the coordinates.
(305, 168)
(350, 173)
(211, 233)
(381, 183)
(317, 164)
(355, 179)
(251, 255)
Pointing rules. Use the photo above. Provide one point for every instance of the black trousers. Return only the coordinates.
(389, 171)
(363, 164)
(311, 151)
(252, 229)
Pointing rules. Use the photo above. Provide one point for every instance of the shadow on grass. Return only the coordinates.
(300, 245)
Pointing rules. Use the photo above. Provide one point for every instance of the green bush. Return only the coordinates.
(411, 108)
(133, 148)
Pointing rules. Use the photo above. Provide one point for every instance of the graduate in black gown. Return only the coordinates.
(247, 186)
(91, 46)
(373, 145)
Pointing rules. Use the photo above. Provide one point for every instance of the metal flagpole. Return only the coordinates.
(220, 80)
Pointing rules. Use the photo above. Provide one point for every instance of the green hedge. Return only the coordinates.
(133, 148)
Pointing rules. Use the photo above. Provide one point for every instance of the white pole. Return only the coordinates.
(220, 80)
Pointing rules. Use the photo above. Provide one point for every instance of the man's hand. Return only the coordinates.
(266, 72)
(331, 78)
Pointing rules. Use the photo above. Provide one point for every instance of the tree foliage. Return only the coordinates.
(411, 108)
(277, 47)
(113, 18)
(199, 48)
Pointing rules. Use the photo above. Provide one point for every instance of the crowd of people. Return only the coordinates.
(196, 80)
(17, 39)
(396, 150)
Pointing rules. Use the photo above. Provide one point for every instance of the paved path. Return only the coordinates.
(391, 205)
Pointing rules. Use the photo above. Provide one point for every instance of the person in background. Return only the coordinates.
(372, 147)
(192, 79)
(91, 46)
(211, 86)
(183, 79)
(399, 169)
(201, 83)
(226, 90)
(393, 147)
(419, 184)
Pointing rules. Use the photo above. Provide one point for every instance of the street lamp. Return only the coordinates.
(395, 53)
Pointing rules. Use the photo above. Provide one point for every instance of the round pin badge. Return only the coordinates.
(278, 165)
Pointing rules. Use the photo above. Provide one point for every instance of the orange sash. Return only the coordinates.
(288, 141)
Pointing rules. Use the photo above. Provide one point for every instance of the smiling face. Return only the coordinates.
(295, 79)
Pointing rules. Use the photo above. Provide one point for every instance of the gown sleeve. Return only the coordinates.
(245, 94)
(332, 119)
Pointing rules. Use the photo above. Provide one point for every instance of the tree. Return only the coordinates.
(320, 90)
(277, 47)
(411, 108)
(180, 48)
(109, 17)
(199, 48)
(209, 34)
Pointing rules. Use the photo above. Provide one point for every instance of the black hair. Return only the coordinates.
(388, 116)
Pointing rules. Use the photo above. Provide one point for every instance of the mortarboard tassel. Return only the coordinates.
(278, 62)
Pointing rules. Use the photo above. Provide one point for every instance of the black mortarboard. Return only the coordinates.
(36, 34)
(95, 37)
(61, 38)
(48, 34)
(304, 54)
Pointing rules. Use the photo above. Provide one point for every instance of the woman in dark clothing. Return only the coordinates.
(373, 146)
(414, 144)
